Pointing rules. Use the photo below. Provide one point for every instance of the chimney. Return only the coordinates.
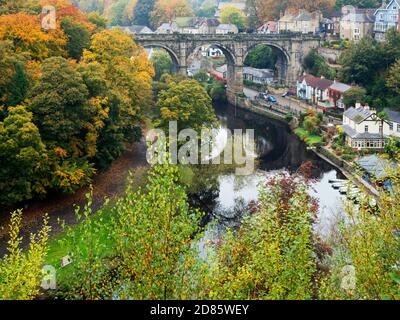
(358, 105)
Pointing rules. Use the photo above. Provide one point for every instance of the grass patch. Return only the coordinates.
(101, 224)
(310, 139)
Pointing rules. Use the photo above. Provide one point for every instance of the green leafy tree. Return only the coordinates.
(155, 239)
(58, 102)
(162, 63)
(142, 12)
(99, 21)
(19, 85)
(361, 62)
(188, 103)
(393, 79)
(316, 65)
(354, 95)
(21, 272)
(22, 158)
(261, 57)
(78, 37)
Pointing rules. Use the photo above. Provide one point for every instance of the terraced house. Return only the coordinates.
(386, 17)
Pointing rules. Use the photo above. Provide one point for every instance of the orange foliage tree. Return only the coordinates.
(26, 34)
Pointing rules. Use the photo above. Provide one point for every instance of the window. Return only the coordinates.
(391, 126)
(357, 31)
(366, 128)
(398, 127)
(380, 129)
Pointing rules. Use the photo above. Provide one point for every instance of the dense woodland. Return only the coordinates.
(73, 97)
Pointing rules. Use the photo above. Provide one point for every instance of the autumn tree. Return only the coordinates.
(232, 15)
(167, 10)
(26, 34)
(128, 74)
(188, 103)
(271, 256)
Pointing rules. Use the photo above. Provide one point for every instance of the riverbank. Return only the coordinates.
(109, 184)
(320, 151)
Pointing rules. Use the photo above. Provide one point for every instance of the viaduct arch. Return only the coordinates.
(290, 49)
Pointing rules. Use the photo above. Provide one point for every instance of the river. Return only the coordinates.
(278, 150)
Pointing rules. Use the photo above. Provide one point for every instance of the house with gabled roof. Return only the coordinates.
(313, 89)
(386, 17)
(364, 129)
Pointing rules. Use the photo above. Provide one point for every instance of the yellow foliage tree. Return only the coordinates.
(166, 10)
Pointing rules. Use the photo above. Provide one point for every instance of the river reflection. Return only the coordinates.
(278, 150)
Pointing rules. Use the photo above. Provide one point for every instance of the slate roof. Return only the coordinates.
(341, 87)
(359, 15)
(376, 166)
(394, 116)
(316, 82)
(357, 115)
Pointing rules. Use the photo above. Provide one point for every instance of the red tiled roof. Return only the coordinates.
(315, 82)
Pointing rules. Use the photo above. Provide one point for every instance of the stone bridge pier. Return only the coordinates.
(290, 50)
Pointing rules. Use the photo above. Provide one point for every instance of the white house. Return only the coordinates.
(364, 129)
(386, 17)
(135, 29)
(394, 122)
(209, 51)
(226, 29)
(313, 89)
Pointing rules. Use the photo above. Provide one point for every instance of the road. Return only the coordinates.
(293, 105)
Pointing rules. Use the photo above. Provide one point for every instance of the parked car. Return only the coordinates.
(272, 99)
(263, 96)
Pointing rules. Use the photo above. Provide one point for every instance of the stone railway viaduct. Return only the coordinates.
(290, 50)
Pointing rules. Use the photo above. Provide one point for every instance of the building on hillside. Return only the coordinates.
(260, 76)
(335, 93)
(336, 17)
(226, 29)
(377, 168)
(364, 129)
(210, 51)
(356, 23)
(313, 89)
(166, 28)
(300, 21)
(386, 17)
(327, 26)
(190, 25)
(271, 27)
(220, 73)
(241, 5)
(394, 122)
(135, 29)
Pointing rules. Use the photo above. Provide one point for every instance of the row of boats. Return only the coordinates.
(352, 192)
(345, 187)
